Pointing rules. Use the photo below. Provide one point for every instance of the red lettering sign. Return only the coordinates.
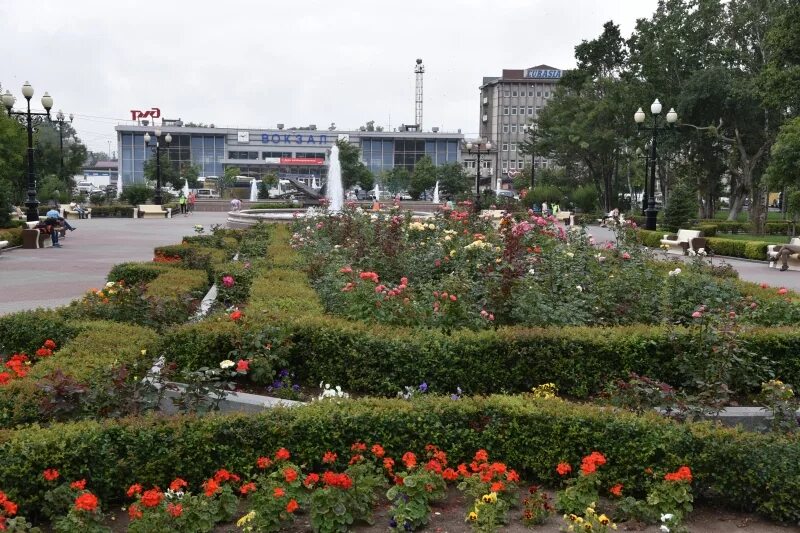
(302, 161)
(154, 112)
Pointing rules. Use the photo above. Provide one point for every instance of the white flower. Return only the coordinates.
(666, 517)
(664, 528)
(580, 289)
(110, 284)
(675, 272)
(227, 363)
(531, 271)
(570, 254)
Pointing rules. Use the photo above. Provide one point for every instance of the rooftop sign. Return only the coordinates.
(539, 74)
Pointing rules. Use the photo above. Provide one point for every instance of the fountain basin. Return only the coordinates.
(250, 217)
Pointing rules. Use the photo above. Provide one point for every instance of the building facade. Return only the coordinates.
(509, 105)
(296, 153)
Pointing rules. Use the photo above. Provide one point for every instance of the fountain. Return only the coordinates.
(377, 192)
(119, 184)
(436, 193)
(334, 192)
(497, 191)
(253, 190)
(186, 188)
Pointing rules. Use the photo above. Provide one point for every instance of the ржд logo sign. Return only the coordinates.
(154, 112)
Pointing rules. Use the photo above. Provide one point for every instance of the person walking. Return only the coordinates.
(182, 203)
(191, 201)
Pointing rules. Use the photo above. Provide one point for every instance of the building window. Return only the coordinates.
(505, 147)
(242, 155)
(505, 128)
(513, 147)
(538, 108)
(486, 164)
(513, 110)
(506, 93)
(522, 110)
(513, 93)
(530, 93)
(530, 110)
(469, 164)
(513, 165)
(521, 164)
(539, 93)
(513, 128)
(505, 166)
(505, 110)
(547, 94)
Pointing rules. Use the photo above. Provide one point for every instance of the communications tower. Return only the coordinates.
(419, 70)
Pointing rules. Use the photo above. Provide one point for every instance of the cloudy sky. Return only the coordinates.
(241, 63)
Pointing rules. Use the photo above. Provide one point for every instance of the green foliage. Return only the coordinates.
(25, 331)
(453, 180)
(543, 193)
(353, 169)
(169, 172)
(53, 188)
(12, 235)
(681, 207)
(5, 203)
(585, 198)
(422, 178)
(134, 194)
(397, 179)
(12, 152)
(136, 273)
(758, 471)
(233, 281)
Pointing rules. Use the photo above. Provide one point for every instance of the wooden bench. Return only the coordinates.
(682, 240)
(566, 217)
(66, 211)
(154, 211)
(794, 258)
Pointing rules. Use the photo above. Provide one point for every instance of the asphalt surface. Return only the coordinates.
(52, 277)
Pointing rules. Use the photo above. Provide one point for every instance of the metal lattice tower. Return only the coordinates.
(419, 70)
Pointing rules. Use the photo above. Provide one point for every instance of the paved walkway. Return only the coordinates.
(755, 271)
(52, 277)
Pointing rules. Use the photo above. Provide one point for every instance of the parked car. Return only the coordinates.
(207, 193)
(86, 186)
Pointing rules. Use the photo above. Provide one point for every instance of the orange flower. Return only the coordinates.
(410, 460)
(497, 486)
(86, 502)
(311, 479)
(289, 474)
(358, 447)
(682, 474)
(152, 498)
(481, 456)
(78, 485)
(616, 490)
(263, 463)
(247, 488)
(278, 492)
(134, 489)
(329, 457)
(236, 315)
(512, 476)
(591, 462)
(378, 451)
(134, 512)
(211, 487)
(174, 509)
(449, 474)
(49, 344)
(292, 506)
(222, 475)
(51, 474)
(282, 455)
(388, 463)
(177, 484)
(10, 507)
(563, 469)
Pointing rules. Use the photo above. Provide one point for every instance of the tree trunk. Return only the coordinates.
(758, 211)
(737, 199)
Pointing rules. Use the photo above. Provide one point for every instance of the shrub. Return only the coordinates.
(651, 239)
(136, 193)
(735, 468)
(5, 203)
(585, 198)
(175, 283)
(543, 193)
(681, 207)
(115, 210)
(25, 331)
(135, 273)
(709, 230)
(12, 235)
(233, 281)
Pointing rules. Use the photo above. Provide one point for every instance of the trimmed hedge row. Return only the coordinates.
(134, 273)
(712, 227)
(730, 467)
(87, 357)
(25, 331)
(727, 247)
(12, 235)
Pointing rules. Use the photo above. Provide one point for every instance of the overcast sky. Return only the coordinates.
(253, 64)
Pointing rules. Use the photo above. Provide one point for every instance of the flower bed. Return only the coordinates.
(730, 467)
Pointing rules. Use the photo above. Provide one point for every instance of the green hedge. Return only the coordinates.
(106, 211)
(720, 246)
(176, 283)
(25, 331)
(12, 235)
(730, 467)
(87, 358)
(137, 272)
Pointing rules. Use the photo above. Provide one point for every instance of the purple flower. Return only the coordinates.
(283, 373)
(296, 387)
(277, 384)
(423, 387)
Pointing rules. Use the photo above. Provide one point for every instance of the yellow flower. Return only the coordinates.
(452, 253)
(144, 352)
(603, 519)
(473, 516)
(490, 498)
(589, 511)
(572, 517)
(587, 526)
(246, 518)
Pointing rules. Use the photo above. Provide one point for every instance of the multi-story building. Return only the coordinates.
(509, 105)
(298, 153)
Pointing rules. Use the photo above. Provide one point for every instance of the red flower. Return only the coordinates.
(174, 509)
(481, 456)
(311, 479)
(152, 498)
(86, 502)
(44, 352)
(616, 490)
(434, 466)
(410, 460)
(211, 487)
(247, 488)
(388, 463)
(497, 486)
(358, 447)
(591, 462)
(222, 475)
(449, 474)
(78, 485)
(177, 484)
(51, 474)
(278, 492)
(282, 455)
(236, 315)
(291, 506)
(462, 470)
(5, 377)
(378, 451)
(134, 512)
(682, 474)
(290, 474)
(263, 463)
(49, 344)
(10, 507)
(134, 489)
(333, 479)
(512, 476)
(563, 469)
(243, 366)
(329, 458)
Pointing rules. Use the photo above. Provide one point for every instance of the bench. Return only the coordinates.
(682, 240)
(3, 244)
(155, 211)
(33, 237)
(66, 211)
(794, 257)
(566, 217)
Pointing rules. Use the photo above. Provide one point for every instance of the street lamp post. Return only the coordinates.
(478, 149)
(531, 128)
(643, 155)
(639, 116)
(167, 139)
(32, 203)
(60, 120)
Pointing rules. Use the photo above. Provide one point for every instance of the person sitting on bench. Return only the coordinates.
(782, 254)
(613, 215)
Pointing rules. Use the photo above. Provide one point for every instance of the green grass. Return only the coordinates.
(772, 239)
(772, 216)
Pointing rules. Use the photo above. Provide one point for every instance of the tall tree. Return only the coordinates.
(397, 179)
(169, 174)
(12, 153)
(423, 177)
(353, 169)
(453, 180)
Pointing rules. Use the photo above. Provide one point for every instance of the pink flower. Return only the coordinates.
(697, 314)
(453, 298)
(227, 281)
(782, 290)
(626, 255)
(346, 270)
(753, 305)
(404, 281)
(243, 366)
(764, 285)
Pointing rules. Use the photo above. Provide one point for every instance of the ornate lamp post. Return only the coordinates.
(60, 120)
(641, 154)
(32, 203)
(672, 118)
(167, 139)
(478, 149)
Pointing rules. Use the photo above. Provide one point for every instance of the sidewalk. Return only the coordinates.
(755, 271)
(53, 277)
